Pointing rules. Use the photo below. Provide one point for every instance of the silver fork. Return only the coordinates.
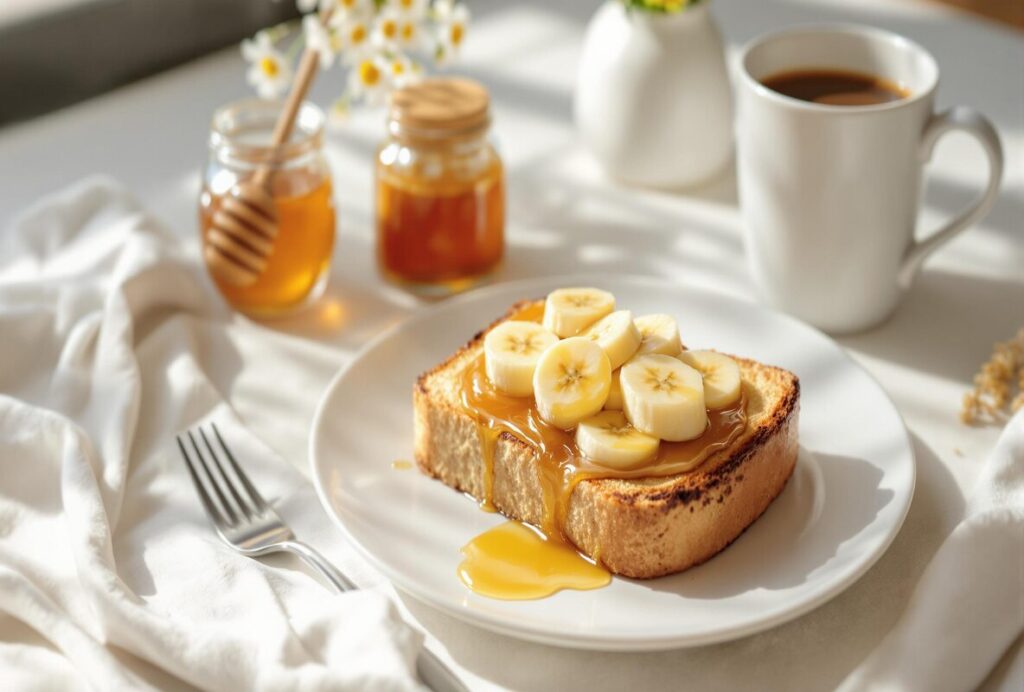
(246, 522)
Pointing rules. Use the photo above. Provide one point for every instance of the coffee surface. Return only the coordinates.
(835, 87)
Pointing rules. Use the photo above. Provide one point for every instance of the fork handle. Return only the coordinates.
(314, 559)
(431, 669)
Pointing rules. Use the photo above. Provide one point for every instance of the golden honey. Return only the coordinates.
(440, 189)
(299, 182)
(514, 561)
(561, 468)
(302, 249)
(445, 231)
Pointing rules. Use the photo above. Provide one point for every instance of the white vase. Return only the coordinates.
(653, 100)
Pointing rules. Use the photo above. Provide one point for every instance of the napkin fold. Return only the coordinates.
(967, 609)
(110, 574)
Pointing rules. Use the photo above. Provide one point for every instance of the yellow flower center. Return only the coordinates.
(347, 4)
(358, 34)
(369, 75)
(408, 31)
(389, 28)
(269, 66)
(406, 4)
(397, 68)
(458, 31)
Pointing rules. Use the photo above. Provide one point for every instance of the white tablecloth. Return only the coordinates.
(104, 549)
(563, 213)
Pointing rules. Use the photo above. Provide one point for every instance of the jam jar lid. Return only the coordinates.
(440, 108)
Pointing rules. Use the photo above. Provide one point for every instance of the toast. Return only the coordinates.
(640, 528)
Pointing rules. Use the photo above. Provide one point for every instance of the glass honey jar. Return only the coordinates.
(299, 182)
(440, 189)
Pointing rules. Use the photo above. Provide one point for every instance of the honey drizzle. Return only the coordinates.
(488, 443)
(561, 465)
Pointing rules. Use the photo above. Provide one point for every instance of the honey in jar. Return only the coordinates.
(440, 189)
(300, 184)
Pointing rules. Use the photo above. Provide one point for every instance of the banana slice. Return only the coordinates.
(721, 376)
(511, 352)
(664, 397)
(568, 311)
(571, 382)
(614, 402)
(660, 335)
(617, 335)
(608, 439)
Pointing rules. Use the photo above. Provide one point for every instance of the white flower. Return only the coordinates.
(385, 30)
(412, 9)
(307, 5)
(353, 36)
(344, 10)
(452, 21)
(368, 80)
(402, 71)
(268, 71)
(410, 36)
(318, 39)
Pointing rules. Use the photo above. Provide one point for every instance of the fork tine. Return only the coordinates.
(211, 510)
(243, 506)
(254, 494)
(228, 510)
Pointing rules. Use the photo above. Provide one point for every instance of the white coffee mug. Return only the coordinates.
(830, 194)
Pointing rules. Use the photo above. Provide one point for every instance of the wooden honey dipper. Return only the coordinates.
(244, 227)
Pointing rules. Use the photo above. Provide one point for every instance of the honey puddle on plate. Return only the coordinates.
(515, 562)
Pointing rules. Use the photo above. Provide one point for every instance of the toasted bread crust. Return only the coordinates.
(640, 528)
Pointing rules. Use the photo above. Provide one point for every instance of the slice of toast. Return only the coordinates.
(641, 528)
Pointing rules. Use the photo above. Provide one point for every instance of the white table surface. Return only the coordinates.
(564, 214)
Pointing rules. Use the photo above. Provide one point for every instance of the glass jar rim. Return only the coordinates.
(233, 120)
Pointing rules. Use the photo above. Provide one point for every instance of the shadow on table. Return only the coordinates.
(611, 228)
(352, 297)
(946, 324)
(803, 653)
(1005, 223)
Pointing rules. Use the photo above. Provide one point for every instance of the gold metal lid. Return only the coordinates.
(440, 107)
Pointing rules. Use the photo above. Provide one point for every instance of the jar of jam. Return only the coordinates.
(300, 184)
(440, 189)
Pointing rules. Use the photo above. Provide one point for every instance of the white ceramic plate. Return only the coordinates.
(844, 504)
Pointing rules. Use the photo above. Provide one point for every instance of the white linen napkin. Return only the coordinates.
(106, 558)
(967, 609)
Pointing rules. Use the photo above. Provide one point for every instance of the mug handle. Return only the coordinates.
(972, 122)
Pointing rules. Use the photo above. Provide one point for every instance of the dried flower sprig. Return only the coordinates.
(377, 41)
(659, 6)
(993, 394)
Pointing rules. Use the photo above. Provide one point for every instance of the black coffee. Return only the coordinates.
(835, 87)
